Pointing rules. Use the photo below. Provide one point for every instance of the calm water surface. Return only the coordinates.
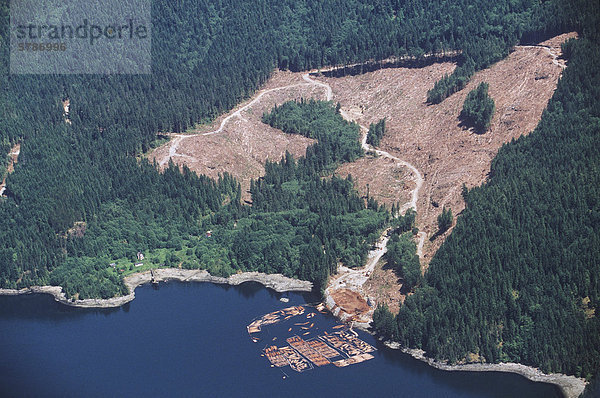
(191, 340)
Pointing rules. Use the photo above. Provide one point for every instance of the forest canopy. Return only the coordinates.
(478, 108)
(517, 280)
(82, 196)
(376, 132)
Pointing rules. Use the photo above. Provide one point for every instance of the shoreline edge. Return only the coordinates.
(277, 282)
(570, 386)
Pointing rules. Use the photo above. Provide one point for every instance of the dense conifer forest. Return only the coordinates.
(478, 108)
(376, 132)
(512, 282)
(517, 280)
(402, 258)
(212, 55)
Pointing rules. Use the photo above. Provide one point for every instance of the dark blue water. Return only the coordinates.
(191, 340)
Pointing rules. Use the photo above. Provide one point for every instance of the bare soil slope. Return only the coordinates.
(431, 137)
(245, 143)
(14, 155)
(388, 182)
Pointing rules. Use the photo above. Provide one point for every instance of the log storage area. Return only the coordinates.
(340, 347)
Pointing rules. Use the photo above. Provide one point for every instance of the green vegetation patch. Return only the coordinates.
(507, 284)
(478, 108)
(376, 132)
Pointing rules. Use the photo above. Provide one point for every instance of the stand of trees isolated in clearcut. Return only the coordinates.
(478, 108)
(376, 132)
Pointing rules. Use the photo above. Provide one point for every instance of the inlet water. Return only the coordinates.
(190, 339)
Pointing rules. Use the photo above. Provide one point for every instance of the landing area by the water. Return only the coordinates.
(307, 346)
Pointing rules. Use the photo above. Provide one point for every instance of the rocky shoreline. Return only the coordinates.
(276, 282)
(570, 386)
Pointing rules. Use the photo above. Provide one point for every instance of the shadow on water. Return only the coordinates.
(43, 338)
(43, 307)
(474, 383)
(249, 290)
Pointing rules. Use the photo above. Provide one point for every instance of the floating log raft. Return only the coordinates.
(341, 345)
(303, 348)
(361, 345)
(297, 362)
(296, 310)
(275, 356)
(322, 348)
(352, 360)
(274, 317)
(254, 327)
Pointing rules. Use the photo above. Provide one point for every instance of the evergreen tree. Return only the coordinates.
(376, 132)
(478, 108)
(444, 220)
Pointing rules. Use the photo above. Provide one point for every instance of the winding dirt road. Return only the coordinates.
(238, 113)
(418, 177)
(548, 49)
(329, 92)
(352, 279)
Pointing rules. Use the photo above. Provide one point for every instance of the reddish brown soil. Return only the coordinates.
(349, 301)
(385, 286)
(244, 145)
(430, 136)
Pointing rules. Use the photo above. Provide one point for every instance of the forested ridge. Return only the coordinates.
(213, 54)
(79, 198)
(518, 278)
